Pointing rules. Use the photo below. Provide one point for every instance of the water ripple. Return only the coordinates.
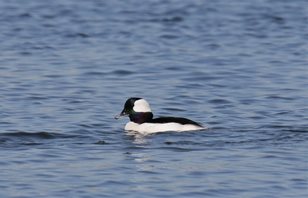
(239, 67)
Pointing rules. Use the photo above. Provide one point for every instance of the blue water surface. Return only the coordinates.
(238, 67)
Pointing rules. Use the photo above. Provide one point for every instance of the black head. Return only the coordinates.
(129, 106)
(137, 109)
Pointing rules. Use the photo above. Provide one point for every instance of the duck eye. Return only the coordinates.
(127, 111)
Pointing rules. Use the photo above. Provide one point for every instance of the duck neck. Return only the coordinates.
(141, 117)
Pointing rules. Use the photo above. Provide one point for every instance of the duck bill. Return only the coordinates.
(122, 114)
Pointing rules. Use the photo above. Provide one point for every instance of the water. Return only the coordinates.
(238, 67)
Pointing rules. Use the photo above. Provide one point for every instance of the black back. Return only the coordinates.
(174, 119)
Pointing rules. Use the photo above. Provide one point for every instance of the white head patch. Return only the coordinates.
(141, 106)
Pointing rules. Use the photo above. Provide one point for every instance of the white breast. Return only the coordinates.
(148, 128)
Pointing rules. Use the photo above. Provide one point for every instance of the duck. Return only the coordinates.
(141, 119)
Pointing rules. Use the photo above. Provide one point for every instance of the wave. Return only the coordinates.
(18, 138)
(38, 135)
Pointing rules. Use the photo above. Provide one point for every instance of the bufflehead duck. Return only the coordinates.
(141, 119)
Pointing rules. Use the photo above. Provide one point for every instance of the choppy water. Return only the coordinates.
(238, 67)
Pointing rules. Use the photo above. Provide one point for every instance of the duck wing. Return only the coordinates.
(174, 119)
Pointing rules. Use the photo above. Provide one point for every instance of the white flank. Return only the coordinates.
(149, 128)
(141, 106)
